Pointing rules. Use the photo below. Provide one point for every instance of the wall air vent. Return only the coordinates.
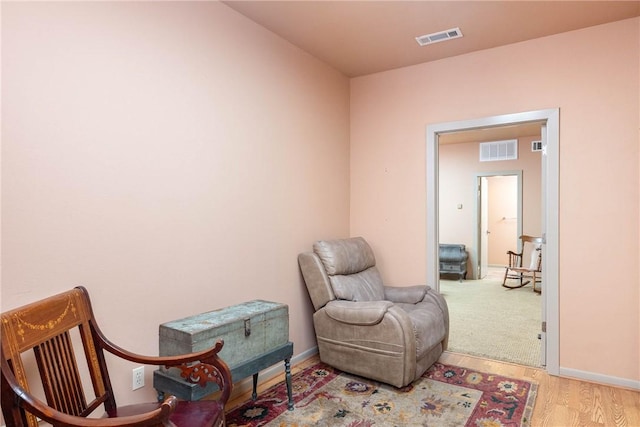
(441, 36)
(499, 150)
(536, 145)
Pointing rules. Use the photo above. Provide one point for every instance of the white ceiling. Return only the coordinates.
(364, 37)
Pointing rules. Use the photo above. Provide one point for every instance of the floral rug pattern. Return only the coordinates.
(444, 396)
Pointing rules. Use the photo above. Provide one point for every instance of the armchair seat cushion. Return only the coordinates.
(203, 413)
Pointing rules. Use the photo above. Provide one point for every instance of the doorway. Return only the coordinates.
(549, 120)
(498, 218)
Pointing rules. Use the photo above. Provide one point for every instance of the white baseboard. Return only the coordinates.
(599, 378)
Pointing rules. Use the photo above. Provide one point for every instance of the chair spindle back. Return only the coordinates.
(45, 328)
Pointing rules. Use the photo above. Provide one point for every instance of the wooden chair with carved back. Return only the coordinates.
(531, 246)
(38, 347)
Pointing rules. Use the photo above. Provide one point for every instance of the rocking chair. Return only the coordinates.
(525, 275)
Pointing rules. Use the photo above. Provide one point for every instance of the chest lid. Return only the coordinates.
(219, 322)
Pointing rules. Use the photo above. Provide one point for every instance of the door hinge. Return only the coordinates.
(544, 326)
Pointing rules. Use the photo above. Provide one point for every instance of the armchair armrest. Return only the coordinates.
(408, 295)
(207, 355)
(358, 313)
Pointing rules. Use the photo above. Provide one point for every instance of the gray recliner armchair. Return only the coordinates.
(389, 334)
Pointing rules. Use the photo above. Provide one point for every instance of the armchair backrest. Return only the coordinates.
(48, 329)
(341, 269)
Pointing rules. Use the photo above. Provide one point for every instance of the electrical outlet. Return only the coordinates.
(138, 378)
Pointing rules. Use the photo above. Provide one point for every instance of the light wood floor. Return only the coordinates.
(561, 402)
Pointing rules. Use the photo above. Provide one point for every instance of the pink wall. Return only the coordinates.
(458, 166)
(172, 157)
(592, 76)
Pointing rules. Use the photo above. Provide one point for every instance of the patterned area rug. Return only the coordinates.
(444, 396)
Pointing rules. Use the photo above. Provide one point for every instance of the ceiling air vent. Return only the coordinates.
(499, 150)
(441, 36)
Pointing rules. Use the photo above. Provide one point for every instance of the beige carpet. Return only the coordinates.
(491, 321)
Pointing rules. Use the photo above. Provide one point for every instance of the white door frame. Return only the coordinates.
(551, 118)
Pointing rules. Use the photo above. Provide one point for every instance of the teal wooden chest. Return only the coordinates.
(255, 334)
(247, 329)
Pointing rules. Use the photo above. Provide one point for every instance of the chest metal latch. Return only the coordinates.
(247, 327)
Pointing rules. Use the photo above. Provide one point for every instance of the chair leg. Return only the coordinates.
(534, 284)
